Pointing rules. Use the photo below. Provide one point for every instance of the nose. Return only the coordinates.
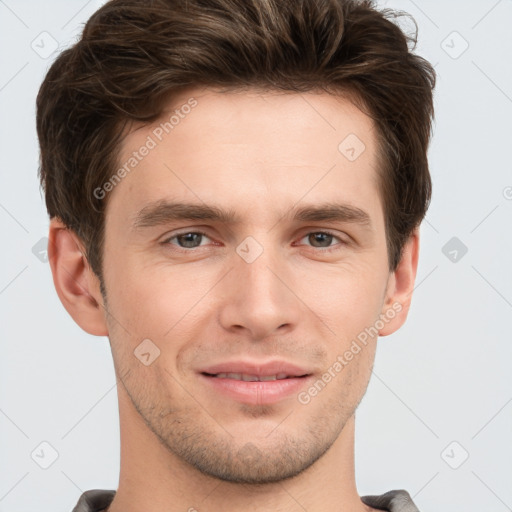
(258, 297)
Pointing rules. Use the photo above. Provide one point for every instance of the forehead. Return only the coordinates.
(209, 146)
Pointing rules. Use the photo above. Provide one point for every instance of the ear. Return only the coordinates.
(76, 284)
(400, 286)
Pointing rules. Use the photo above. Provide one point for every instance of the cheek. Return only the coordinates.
(347, 298)
(159, 300)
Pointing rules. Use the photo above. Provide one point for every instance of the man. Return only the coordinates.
(235, 189)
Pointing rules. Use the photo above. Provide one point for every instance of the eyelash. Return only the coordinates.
(323, 232)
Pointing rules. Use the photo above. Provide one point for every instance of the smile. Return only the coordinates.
(252, 378)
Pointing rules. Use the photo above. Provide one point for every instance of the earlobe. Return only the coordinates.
(76, 284)
(400, 287)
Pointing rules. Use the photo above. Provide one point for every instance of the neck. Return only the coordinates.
(154, 480)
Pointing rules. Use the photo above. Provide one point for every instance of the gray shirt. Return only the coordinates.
(97, 500)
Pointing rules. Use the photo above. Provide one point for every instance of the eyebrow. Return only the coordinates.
(163, 211)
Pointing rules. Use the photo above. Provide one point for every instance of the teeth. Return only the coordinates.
(251, 378)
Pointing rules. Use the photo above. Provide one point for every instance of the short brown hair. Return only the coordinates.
(134, 55)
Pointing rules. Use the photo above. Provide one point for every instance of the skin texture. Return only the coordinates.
(185, 446)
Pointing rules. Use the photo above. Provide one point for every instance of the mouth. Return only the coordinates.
(253, 378)
(255, 384)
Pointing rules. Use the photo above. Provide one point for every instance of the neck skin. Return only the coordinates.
(154, 480)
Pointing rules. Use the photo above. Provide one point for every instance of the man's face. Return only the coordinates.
(266, 287)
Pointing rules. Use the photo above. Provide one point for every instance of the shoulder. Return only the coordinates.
(393, 501)
(94, 500)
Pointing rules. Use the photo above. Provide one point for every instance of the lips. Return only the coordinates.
(255, 383)
(251, 378)
(233, 369)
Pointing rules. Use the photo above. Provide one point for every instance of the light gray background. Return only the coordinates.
(441, 388)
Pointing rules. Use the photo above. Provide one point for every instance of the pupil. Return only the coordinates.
(326, 238)
(189, 243)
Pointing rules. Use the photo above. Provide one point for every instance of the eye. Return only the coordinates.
(317, 239)
(323, 239)
(187, 239)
